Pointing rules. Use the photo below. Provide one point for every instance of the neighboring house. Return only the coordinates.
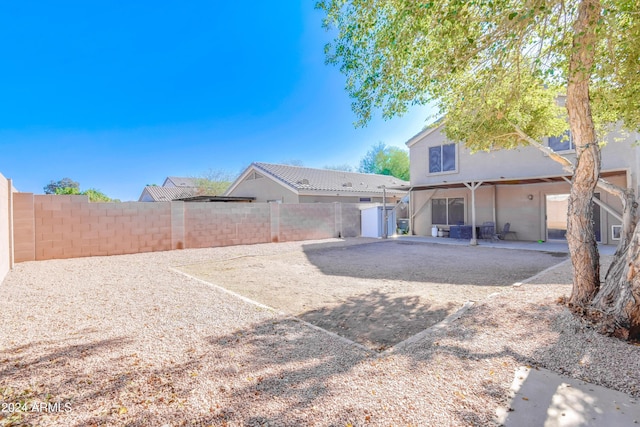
(177, 181)
(293, 184)
(522, 186)
(153, 193)
(173, 188)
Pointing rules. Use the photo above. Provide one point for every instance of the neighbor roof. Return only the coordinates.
(309, 180)
(166, 194)
(179, 181)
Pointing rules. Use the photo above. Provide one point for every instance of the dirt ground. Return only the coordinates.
(375, 293)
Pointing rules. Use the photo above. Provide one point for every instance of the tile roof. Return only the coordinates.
(166, 194)
(310, 179)
(180, 181)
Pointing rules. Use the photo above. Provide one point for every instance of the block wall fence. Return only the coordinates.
(55, 226)
(6, 247)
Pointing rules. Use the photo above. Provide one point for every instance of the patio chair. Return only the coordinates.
(488, 231)
(506, 232)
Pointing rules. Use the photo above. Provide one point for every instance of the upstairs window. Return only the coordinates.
(563, 142)
(442, 158)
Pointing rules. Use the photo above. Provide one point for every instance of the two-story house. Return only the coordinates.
(523, 187)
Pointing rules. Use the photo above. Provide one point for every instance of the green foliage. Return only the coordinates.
(68, 186)
(368, 162)
(488, 66)
(384, 160)
(98, 196)
(94, 195)
(67, 190)
(54, 186)
(213, 183)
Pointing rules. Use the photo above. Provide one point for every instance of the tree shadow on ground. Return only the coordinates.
(378, 320)
(303, 367)
(53, 371)
(284, 372)
(427, 262)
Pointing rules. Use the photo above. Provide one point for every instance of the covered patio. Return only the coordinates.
(549, 246)
(503, 200)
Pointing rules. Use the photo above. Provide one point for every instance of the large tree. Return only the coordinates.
(55, 186)
(496, 70)
(213, 182)
(385, 160)
(69, 186)
(94, 195)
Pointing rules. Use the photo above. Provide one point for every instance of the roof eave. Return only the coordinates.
(423, 133)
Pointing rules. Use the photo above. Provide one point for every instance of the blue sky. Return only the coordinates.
(117, 95)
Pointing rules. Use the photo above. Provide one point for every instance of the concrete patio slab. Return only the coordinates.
(549, 246)
(543, 398)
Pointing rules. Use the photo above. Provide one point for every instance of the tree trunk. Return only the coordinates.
(619, 298)
(580, 235)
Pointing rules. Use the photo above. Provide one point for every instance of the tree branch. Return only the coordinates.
(568, 166)
(566, 163)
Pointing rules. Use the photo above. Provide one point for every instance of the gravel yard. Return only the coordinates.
(375, 293)
(130, 341)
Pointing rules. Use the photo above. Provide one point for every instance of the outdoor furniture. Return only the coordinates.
(460, 232)
(506, 232)
(488, 230)
(403, 226)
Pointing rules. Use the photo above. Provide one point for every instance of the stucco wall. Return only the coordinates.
(391, 199)
(51, 227)
(512, 204)
(264, 189)
(5, 248)
(620, 153)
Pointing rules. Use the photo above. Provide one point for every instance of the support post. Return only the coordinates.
(385, 229)
(473, 186)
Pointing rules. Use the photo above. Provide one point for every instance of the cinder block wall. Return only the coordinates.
(53, 227)
(24, 227)
(227, 224)
(5, 247)
(306, 221)
(350, 215)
